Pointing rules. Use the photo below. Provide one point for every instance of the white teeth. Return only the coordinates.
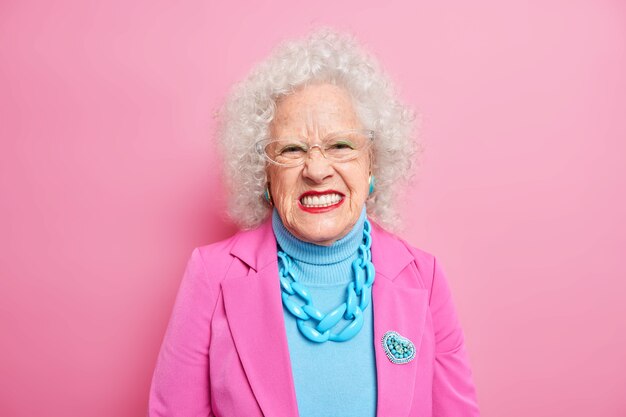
(324, 200)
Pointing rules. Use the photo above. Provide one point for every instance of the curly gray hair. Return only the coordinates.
(325, 56)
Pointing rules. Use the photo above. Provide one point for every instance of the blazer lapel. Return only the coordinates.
(401, 309)
(255, 315)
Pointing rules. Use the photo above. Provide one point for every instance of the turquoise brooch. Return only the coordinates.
(398, 349)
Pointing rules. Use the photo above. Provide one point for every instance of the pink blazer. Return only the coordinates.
(225, 350)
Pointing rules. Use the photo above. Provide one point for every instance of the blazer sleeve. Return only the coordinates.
(454, 393)
(180, 383)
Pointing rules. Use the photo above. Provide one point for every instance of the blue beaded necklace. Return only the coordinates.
(352, 309)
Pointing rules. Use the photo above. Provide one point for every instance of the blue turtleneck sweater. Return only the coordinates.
(330, 378)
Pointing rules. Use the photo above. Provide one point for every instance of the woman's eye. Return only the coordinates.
(342, 145)
(292, 149)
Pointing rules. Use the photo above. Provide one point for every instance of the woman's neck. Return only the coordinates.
(316, 254)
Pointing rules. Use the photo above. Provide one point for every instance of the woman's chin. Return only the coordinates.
(321, 240)
(319, 232)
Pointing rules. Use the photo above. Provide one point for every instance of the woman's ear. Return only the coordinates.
(370, 152)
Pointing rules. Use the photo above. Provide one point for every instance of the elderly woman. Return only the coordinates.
(314, 309)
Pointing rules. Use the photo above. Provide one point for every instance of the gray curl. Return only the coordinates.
(323, 56)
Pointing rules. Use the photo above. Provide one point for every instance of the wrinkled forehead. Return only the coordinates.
(314, 111)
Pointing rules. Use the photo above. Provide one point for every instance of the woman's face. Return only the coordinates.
(313, 112)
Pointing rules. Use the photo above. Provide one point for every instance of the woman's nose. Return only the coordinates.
(316, 166)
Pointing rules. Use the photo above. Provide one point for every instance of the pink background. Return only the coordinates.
(108, 180)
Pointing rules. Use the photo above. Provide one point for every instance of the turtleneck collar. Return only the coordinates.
(316, 254)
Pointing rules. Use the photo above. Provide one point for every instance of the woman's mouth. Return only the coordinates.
(320, 202)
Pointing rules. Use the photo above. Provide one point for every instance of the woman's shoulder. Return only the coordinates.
(389, 237)
(400, 248)
(245, 245)
(217, 251)
(217, 255)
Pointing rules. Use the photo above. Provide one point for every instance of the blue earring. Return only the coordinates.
(267, 196)
(372, 182)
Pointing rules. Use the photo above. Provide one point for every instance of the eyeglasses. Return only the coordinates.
(338, 147)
